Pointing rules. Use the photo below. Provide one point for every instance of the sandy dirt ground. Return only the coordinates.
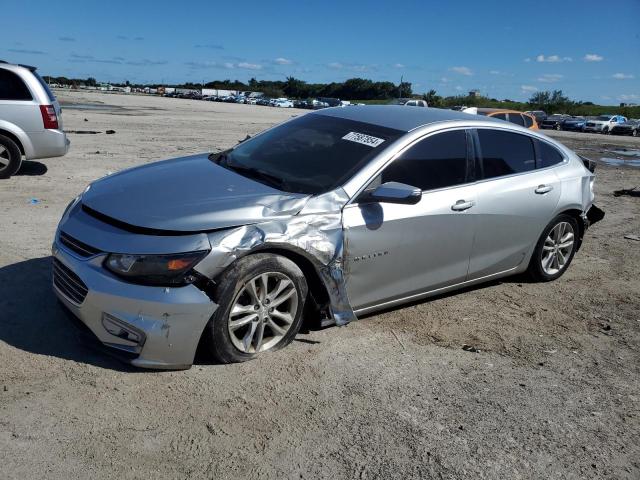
(552, 392)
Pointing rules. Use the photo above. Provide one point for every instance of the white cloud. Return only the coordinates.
(459, 88)
(527, 59)
(399, 65)
(553, 59)
(593, 57)
(494, 72)
(622, 76)
(249, 66)
(283, 61)
(550, 77)
(336, 65)
(528, 88)
(629, 97)
(462, 70)
(444, 80)
(228, 65)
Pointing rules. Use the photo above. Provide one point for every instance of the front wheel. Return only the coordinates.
(635, 133)
(555, 249)
(605, 130)
(260, 301)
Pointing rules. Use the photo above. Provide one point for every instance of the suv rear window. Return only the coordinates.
(52, 97)
(505, 153)
(528, 121)
(516, 118)
(12, 87)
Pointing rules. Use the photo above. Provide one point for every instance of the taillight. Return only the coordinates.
(49, 117)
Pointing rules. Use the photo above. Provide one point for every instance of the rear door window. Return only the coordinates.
(438, 161)
(505, 153)
(501, 116)
(516, 118)
(546, 155)
(12, 87)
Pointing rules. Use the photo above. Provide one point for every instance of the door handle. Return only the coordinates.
(542, 189)
(462, 205)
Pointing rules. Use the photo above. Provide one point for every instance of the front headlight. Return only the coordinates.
(170, 269)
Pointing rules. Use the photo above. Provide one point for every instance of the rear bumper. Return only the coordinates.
(48, 143)
(168, 322)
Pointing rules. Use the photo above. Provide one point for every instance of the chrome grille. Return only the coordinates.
(76, 246)
(68, 283)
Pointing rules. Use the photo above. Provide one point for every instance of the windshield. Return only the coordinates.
(311, 154)
(605, 118)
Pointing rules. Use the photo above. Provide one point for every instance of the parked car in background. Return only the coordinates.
(604, 123)
(409, 102)
(30, 118)
(513, 116)
(573, 124)
(630, 127)
(554, 122)
(539, 115)
(283, 103)
(332, 102)
(337, 213)
(318, 104)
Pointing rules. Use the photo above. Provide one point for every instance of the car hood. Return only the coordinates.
(188, 194)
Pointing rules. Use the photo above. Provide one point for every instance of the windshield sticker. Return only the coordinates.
(363, 139)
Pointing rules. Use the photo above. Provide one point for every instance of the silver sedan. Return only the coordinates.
(328, 216)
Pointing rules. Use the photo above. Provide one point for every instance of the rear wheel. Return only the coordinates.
(261, 299)
(10, 157)
(555, 249)
(605, 130)
(635, 132)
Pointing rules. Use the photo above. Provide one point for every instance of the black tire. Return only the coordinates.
(536, 271)
(606, 131)
(11, 153)
(634, 133)
(558, 127)
(216, 335)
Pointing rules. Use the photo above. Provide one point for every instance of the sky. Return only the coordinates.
(506, 49)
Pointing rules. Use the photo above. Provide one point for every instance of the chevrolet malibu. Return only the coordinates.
(328, 216)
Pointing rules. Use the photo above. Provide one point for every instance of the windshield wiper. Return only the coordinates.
(258, 174)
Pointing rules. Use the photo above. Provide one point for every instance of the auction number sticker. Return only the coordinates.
(363, 139)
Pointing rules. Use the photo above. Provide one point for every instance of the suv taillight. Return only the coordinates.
(49, 117)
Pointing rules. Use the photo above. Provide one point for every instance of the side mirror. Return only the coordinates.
(395, 192)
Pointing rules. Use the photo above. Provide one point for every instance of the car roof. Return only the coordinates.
(396, 116)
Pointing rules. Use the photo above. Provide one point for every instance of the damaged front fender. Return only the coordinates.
(315, 232)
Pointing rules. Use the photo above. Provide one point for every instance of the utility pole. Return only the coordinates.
(400, 87)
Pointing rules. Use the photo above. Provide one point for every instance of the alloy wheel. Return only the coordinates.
(4, 158)
(557, 248)
(262, 312)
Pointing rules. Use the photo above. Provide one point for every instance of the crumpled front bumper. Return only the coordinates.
(168, 321)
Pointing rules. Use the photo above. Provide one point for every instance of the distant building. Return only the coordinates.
(474, 93)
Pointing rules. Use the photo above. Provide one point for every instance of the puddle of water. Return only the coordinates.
(617, 162)
(626, 153)
(87, 106)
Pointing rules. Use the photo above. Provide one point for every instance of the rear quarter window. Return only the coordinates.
(528, 121)
(546, 155)
(505, 153)
(12, 87)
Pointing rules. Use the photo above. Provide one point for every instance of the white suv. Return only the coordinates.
(603, 123)
(30, 118)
